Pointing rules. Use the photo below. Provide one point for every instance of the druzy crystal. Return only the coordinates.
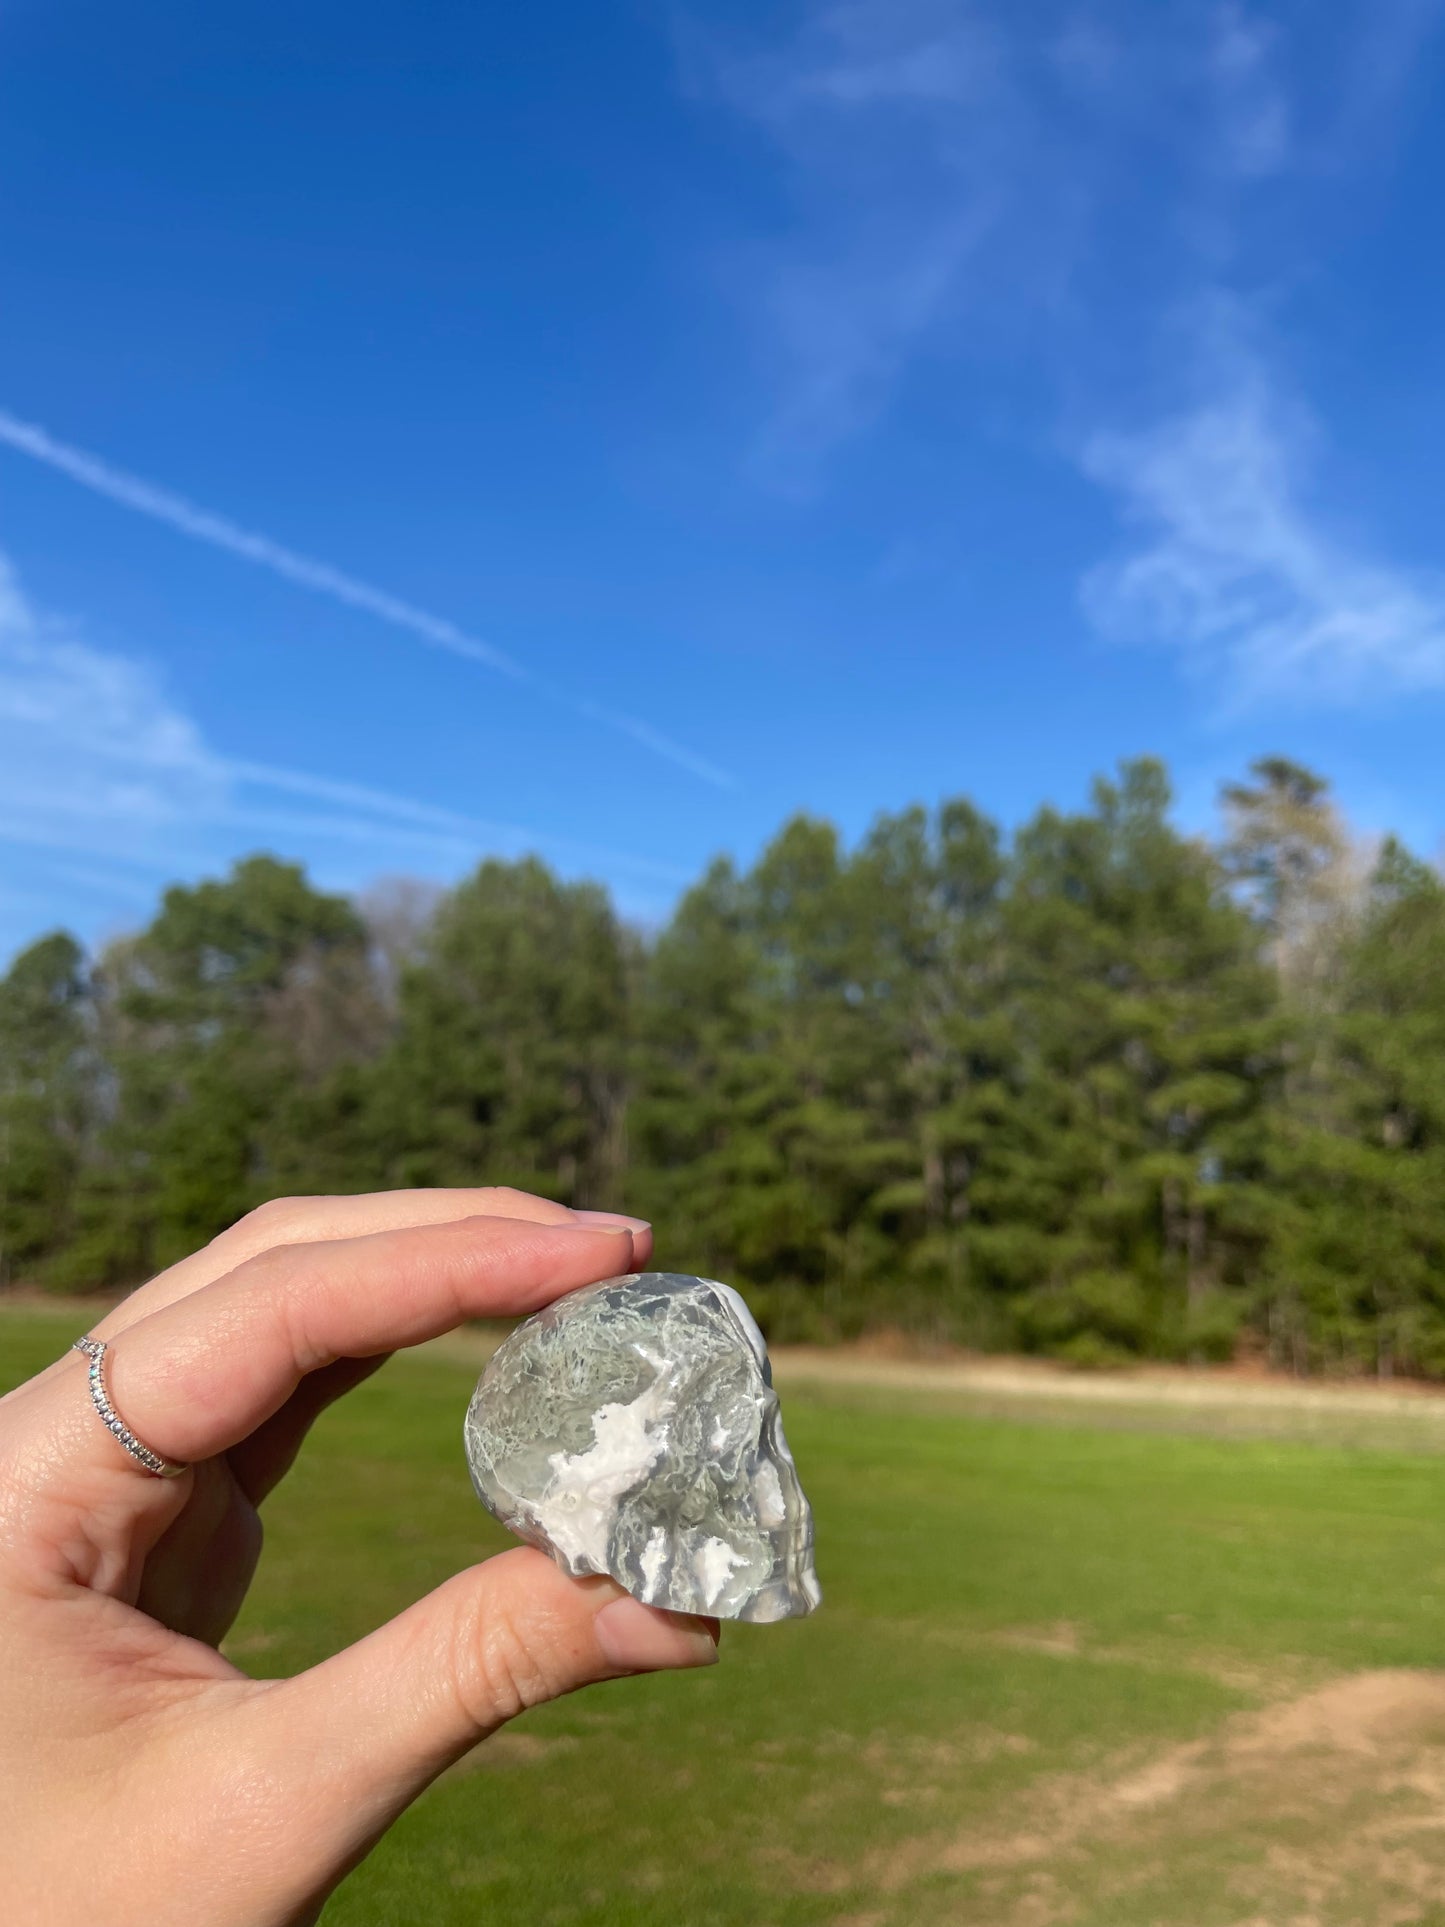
(632, 1428)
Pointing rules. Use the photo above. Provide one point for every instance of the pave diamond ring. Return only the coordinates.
(95, 1349)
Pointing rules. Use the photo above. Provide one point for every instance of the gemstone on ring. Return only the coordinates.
(95, 1350)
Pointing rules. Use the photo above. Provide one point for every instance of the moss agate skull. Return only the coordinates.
(632, 1429)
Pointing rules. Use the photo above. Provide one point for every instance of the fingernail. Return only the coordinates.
(643, 1639)
(611, 1220)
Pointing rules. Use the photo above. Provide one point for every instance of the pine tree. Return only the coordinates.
(46, 1067)
(509, 1062)
(925, 896)
(218, 1022)
(1115, 1207)
(1358, 1255)
(699, 1070)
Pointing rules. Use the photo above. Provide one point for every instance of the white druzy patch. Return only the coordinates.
(632, 1429)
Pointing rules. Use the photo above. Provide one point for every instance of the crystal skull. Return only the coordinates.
(632, 1429)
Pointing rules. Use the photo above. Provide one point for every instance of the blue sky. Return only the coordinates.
(430, 430)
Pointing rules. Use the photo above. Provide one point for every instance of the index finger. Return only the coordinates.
(319, 1220)
(198, 1376)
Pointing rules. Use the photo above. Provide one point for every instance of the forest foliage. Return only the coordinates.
(1097, 1090)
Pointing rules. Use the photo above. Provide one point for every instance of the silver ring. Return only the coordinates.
(95, 1350)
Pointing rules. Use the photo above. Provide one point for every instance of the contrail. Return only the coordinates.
(221, 533)
(429, 819)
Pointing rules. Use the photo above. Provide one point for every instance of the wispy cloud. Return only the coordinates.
(1240, 571)
(1088, 170)
(102, 770)
(93, 756)
(322, 578)
(1254, 114)
(891, 118)
(428, 824)
(946, 165)
(958, 174)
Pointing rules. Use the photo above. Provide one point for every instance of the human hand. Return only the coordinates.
(143, 1779)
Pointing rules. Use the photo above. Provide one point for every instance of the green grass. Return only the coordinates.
(1026, 1623)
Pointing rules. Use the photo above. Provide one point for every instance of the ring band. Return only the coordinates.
(95, 1350)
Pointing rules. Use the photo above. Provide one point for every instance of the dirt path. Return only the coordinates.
(1328, 1804)
(1406, 1415)
(1029, 1378)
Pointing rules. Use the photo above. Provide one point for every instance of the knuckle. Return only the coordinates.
(286, 1277)
(266, 1283)
(272, 1265)
(274, 1222)
(504, 1199)
(277, 1217)
(502, 1665)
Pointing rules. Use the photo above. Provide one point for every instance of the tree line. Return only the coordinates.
(1097, 1090)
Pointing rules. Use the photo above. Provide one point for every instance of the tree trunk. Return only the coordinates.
(1196, 1277)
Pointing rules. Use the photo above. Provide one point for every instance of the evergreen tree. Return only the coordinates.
(700, 1069)
(1356, 1266)
(931, 1047)
(45, 1072)
(509, 1063)
(218, 1023)
(1117, 1204)
(800, 1111)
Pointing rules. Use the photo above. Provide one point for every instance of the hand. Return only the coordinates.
(144, 1781)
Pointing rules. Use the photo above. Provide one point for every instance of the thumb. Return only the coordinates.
(366, 1731)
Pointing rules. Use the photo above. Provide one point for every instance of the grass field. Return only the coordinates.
(1086, 1662)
